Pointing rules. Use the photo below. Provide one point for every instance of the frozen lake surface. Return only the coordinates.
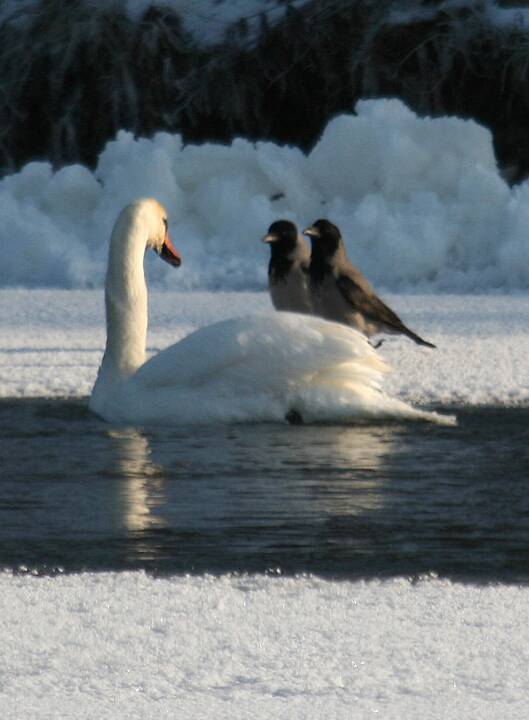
(402, 547)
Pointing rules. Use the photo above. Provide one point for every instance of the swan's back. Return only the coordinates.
(264, 348)
(259, 369)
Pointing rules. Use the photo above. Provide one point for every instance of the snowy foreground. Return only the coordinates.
(52, 341)
(129, 646)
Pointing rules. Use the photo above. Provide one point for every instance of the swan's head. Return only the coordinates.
(154, 217)
(325, 237)
(282, 236)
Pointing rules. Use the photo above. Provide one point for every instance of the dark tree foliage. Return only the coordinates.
(73, 74)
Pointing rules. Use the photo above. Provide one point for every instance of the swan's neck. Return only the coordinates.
(125, 301)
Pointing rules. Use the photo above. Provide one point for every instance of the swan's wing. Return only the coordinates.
(261, 367)
(261, 350)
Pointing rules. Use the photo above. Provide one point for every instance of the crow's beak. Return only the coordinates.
(312, 232)
(270, 238)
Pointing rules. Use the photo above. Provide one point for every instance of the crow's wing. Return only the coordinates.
(368, 304)
(374, 309)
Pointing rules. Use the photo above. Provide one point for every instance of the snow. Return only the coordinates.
(506, 18)
(131, 646)
(212, 22)
(208, 22)
(52, 341)
(489, 12)
(419, 201)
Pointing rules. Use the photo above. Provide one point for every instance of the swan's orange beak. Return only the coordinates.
(169, 253)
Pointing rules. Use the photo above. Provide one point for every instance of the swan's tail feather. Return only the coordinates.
(351, 392)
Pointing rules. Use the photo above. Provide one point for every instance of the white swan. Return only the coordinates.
(258, 368)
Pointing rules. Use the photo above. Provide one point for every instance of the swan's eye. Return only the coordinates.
(165, 223)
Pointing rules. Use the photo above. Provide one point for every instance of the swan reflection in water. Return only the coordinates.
(141, 492)
(355, 483)
(248, 476)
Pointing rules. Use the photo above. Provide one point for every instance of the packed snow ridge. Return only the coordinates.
(420, 203)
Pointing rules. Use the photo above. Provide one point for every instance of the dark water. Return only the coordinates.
(79, 494)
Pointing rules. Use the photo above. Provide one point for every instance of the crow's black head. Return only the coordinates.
(325, 237)
(282, 236)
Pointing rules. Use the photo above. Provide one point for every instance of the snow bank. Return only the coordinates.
(419, 201)
(130, 646)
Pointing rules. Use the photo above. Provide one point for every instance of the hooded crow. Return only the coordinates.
(288, 268)
(341, 293)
